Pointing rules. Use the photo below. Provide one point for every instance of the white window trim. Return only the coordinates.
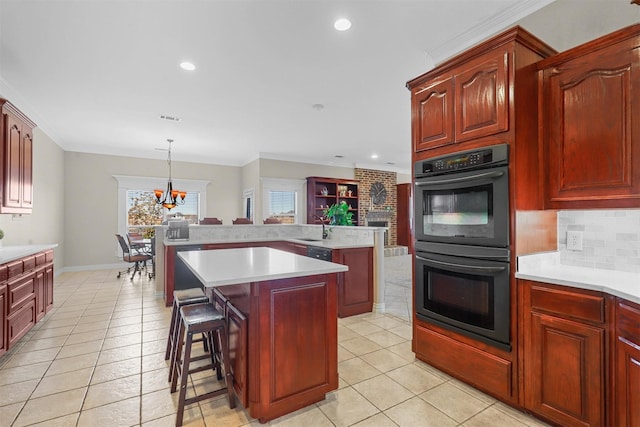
(282, 184)
(126, 183)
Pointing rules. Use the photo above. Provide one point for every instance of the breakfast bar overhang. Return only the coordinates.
(285, 351)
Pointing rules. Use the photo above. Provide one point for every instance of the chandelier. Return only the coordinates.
(172, 197)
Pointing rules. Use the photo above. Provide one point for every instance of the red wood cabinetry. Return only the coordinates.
(324, 192)
(470, 96)
(404, 208)
(564, 353)
(591, 123)
(627, 365)
(26, 294)
(355, 287)
(16, 138)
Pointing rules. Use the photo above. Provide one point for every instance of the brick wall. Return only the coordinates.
(389, 179)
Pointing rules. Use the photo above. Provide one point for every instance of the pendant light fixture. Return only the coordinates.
(172, 197)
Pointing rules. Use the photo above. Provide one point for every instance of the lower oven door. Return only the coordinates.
(467, 295)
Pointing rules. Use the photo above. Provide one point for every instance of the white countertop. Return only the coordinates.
(546, 267)
(221, 267)
(11, 253)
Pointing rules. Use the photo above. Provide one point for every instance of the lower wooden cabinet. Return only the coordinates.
(355, 287)
(26, 295)
(3, 315)
(564, 357)
(627, 365)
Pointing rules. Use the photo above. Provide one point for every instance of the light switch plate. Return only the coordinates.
(574, 240)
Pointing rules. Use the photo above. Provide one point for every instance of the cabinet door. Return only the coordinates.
(3, 316)
(48, 285)
(26, 169)
(433, 115)
(482, 98)
(12, 173)
(591, 126)
(355, 287)
(40, 291)
(564, 372)
(627, 370)
(238, 332)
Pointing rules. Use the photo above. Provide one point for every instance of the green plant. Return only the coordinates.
(1, 234)
(338, 214)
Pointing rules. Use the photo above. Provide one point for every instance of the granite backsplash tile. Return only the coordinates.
(611, 238)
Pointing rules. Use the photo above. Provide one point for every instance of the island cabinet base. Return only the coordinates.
(290, 354)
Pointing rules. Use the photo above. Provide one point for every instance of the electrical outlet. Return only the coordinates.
(574, 240)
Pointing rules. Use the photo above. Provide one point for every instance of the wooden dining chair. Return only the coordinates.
(210, 221)
(242, 221)
(272, 221)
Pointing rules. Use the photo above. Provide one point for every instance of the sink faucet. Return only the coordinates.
(325, 233)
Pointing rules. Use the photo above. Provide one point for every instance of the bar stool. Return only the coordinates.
(204, 319)
(180, 298)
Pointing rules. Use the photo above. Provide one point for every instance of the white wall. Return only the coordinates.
(91, 218)
(46, 224)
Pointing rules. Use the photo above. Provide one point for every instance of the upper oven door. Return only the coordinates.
(470, 208)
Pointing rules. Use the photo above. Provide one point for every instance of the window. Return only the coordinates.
(143, 211)
(281, 199)
(137, 206)
(282, 205)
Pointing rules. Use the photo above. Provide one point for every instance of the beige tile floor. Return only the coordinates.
(97, 359)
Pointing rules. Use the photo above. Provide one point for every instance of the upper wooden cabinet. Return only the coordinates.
(16, 186)
(470, 96)
(591, 123)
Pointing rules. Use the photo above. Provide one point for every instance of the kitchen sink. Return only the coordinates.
(308, 239)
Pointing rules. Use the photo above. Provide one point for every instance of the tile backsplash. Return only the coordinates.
(611, 238)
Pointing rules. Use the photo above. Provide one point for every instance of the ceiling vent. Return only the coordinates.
(170, 118)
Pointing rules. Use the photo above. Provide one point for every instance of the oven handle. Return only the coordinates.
(463, 268)
(494, 174)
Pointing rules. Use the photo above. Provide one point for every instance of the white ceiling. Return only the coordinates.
(95, 75)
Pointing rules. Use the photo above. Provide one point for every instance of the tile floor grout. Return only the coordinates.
(73, 380)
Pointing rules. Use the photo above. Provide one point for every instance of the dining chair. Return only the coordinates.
(137, 258)
(210, 221)
(272, 221)
(242, 221)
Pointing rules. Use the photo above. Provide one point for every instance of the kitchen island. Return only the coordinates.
(283, 326)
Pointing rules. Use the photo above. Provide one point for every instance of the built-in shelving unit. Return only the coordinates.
(323, 192)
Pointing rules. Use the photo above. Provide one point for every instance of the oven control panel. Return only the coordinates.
(485, 157)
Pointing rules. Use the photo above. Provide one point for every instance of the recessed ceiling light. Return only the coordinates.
(187, 66)
(342, 24)
(374, 156)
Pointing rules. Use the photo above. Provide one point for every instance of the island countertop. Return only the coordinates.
(231, 266)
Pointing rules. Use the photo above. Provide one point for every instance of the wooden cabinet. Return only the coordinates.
(470, 96)
(404, 209)
(591, 123)
(17, 160)
(355, 287)
(627, 365)
(26, 294)
(564, 357)
(324, 192)
(3, 316)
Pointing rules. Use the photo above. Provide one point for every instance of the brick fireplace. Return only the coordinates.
(385, 213)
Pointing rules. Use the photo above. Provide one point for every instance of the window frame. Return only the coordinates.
(283, 184)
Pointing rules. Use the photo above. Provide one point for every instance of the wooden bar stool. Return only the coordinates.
(201, 319)
(181, 298)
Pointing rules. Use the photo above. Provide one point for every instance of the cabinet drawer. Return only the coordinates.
(20, 291)
(28, 263)
(41, 259)
(3, 273)
(20, 322)
(629, 322)
(49, 256)
(571, 304)
(14, 269)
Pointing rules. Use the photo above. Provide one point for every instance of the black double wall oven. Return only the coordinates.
(462, 243)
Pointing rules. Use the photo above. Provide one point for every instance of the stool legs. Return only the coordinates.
(195, 319)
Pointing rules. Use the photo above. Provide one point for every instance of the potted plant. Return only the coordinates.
(1, 237)
(338, 214)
